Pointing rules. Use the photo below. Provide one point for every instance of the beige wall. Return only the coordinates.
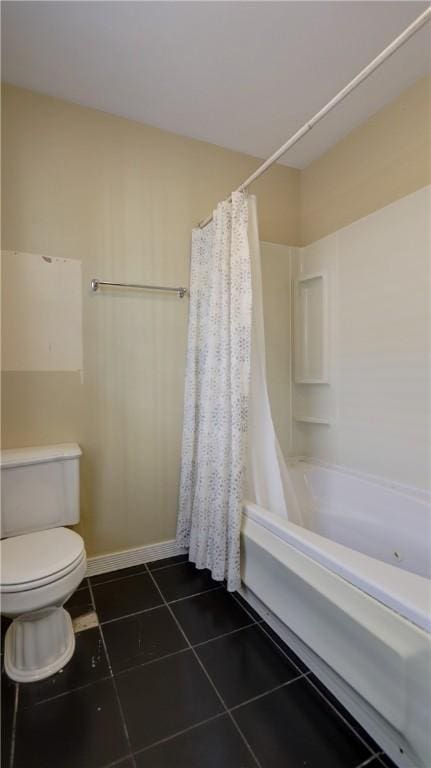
(122, 198)
(386, 158)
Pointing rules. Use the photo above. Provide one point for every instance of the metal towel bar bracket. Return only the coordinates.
(181, 292)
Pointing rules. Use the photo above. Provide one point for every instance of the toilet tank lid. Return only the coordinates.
(19, 457)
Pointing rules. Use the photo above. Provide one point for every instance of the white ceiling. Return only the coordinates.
(243, 75)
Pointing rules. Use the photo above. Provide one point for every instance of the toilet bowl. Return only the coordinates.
(42, 561)
(39, 573)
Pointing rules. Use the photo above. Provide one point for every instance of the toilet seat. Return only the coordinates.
(36, 559)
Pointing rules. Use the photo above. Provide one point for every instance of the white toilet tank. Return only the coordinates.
(39, 488)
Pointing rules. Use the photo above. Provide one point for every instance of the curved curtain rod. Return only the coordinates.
(414, 27)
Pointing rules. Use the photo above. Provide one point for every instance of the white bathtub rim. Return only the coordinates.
(406, 593)
(411, 491)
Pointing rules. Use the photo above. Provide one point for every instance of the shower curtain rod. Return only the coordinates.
(360, 77)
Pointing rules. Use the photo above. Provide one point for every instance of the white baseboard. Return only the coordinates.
(128, 557)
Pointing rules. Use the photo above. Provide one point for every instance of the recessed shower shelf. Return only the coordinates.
(311, 381)
(311, 329)
(313, 420)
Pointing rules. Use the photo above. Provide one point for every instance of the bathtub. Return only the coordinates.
(350, 591)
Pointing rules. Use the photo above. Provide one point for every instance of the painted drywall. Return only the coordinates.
(386, 158)
(121, 198)
(378, 394)
(41, 313)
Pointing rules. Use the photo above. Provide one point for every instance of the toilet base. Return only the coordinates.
(38, 644)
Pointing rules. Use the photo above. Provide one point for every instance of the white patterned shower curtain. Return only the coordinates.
(216, 393)
(229, 445)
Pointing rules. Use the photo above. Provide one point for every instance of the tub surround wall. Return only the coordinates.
(376, 278)
(377, 399)
(276, 280)
(121, 198)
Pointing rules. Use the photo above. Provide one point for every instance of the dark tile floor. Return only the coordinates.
(179, 674)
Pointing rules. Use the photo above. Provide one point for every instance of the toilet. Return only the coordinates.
(42, 561)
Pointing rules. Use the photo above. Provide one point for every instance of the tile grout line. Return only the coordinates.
(271, 690)
(159, 658)
(129, 575)
(380, 756)
(68, 692)
(130, 615)
(195, 594)
(373, 754)
(175, 653)
(163, 567)
(349, 725)
(119, 762)
(180, 733)
(234, 595)
(154, 607)
(124, 724)
(280, 648)
(369, 760)
(14, 719)
(119, 578)
(147, 664)
(252, 623)
(115, 578)
(232, 719)
(225, 634)
(166, 655)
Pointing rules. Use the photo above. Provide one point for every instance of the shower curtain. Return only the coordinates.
(268, 482)
(229, 447)
(216, 393)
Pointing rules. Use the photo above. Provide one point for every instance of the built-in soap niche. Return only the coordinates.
(311, 329)
(314, 405)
